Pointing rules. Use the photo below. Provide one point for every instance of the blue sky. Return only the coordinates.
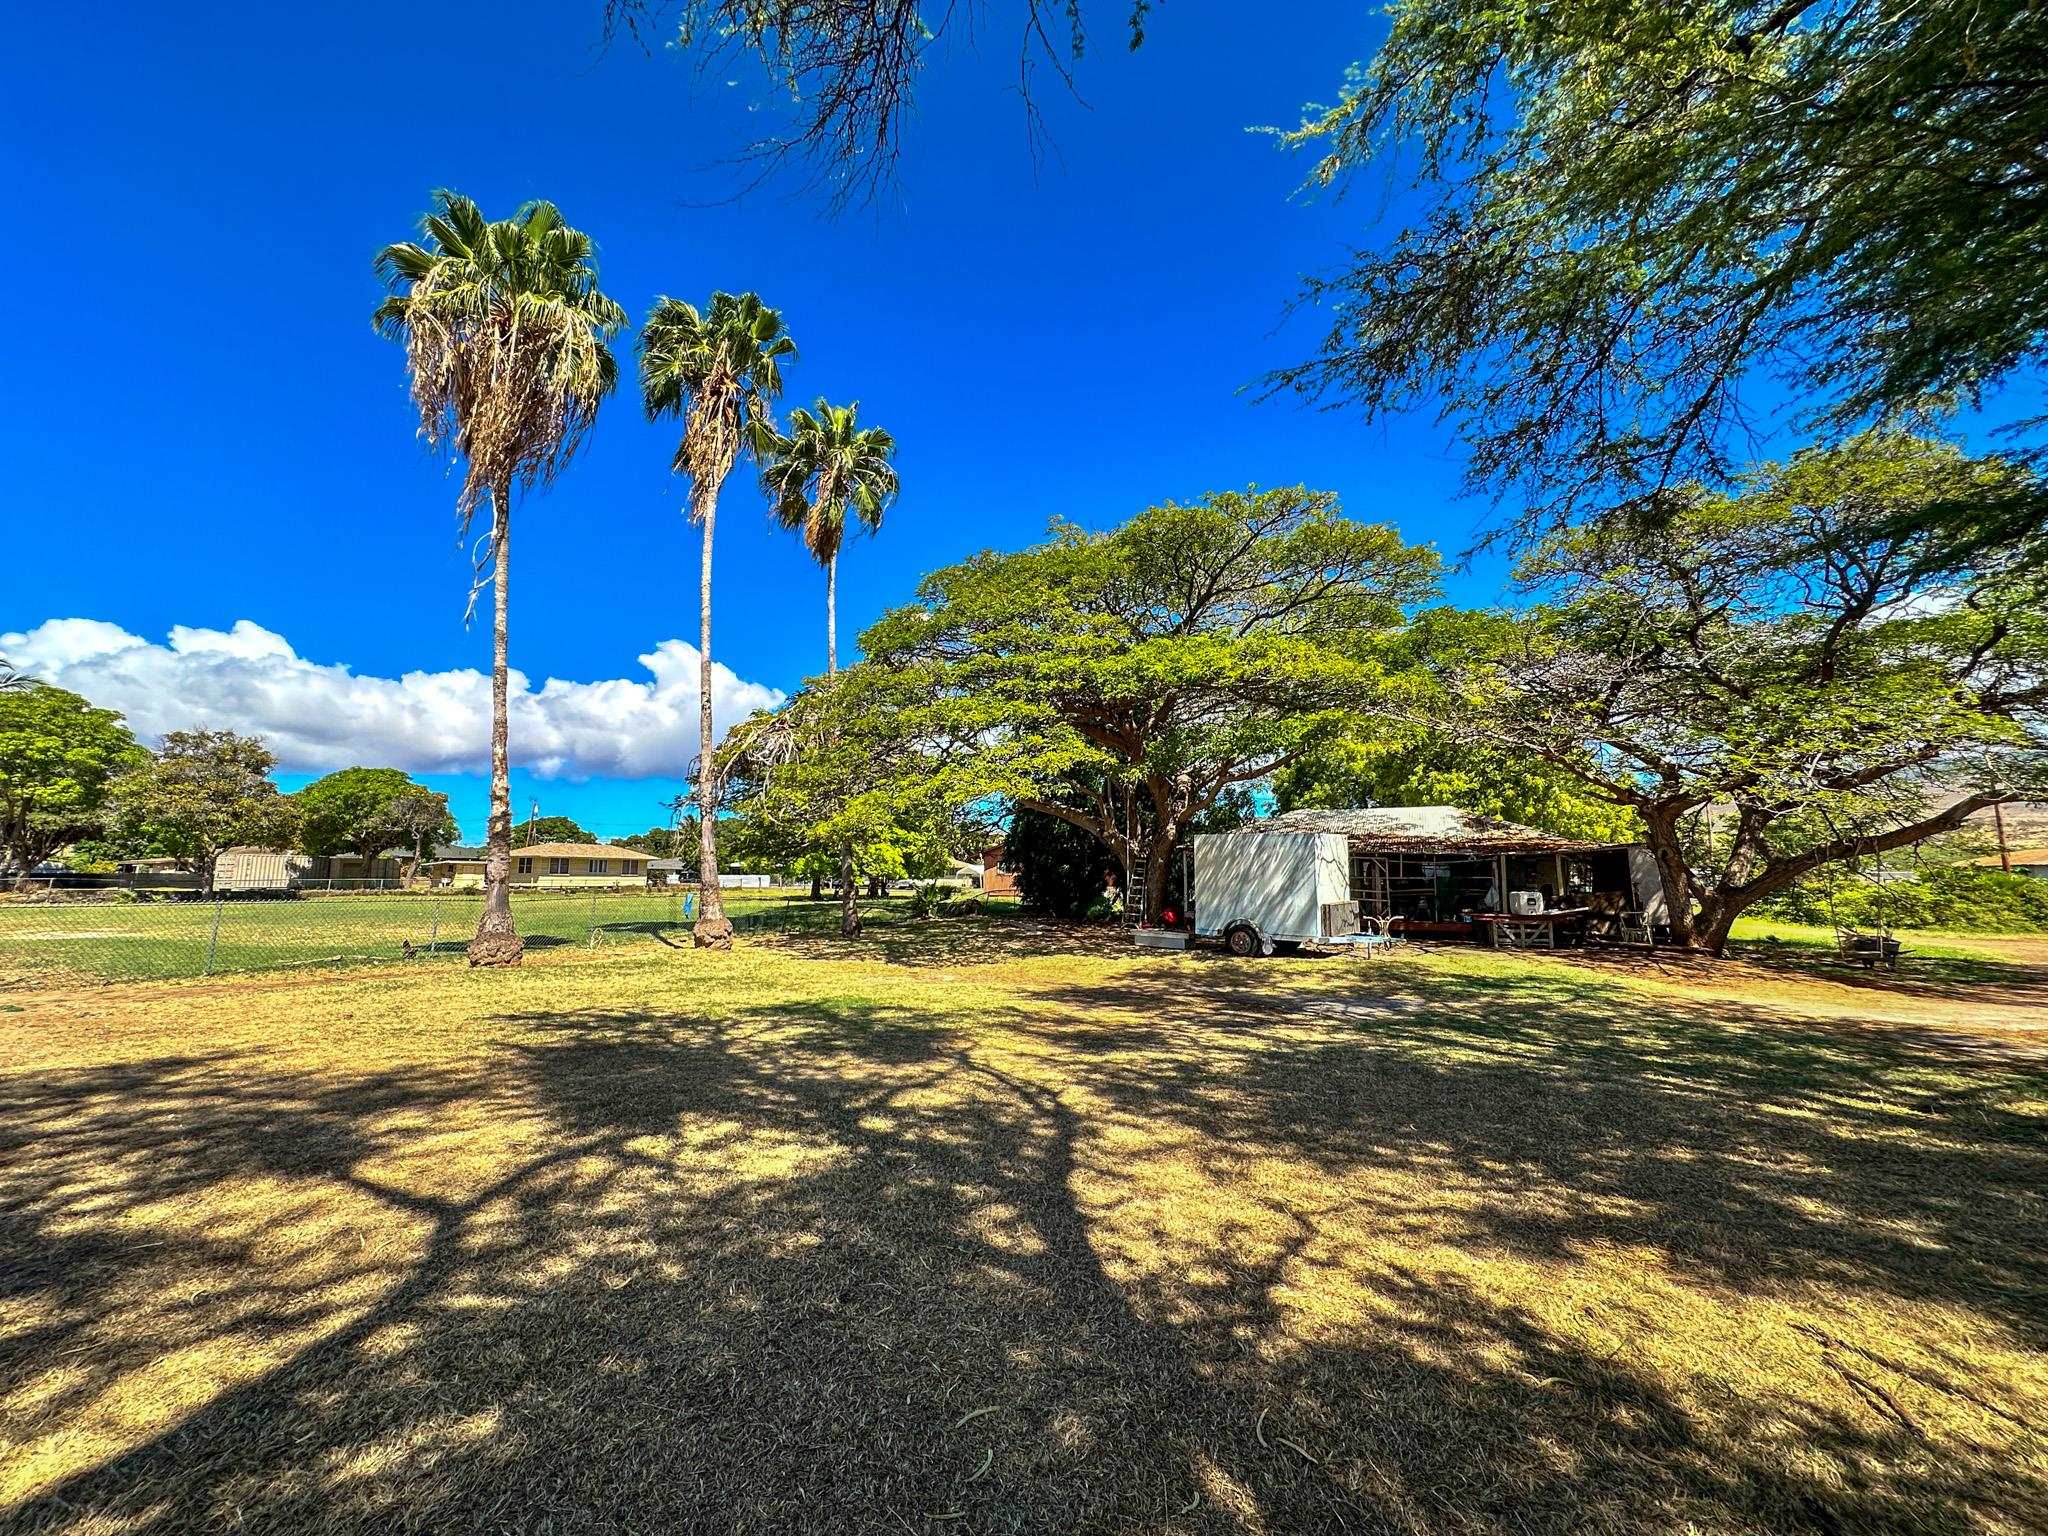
(207, 432)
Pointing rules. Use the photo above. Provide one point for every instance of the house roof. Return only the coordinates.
(542, 851)
(669, 864)
(2018, 856)
(578, 851)
(1427, 829)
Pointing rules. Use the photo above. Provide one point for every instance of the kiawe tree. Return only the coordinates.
(1774, 681)
(505, 331)
(1630, 216)
(718, 371)
(205, 792)
(1159, 666)
(1623, 217)
(59, 757)
(866, 764)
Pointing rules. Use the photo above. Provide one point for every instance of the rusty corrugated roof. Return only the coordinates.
(1427, 829)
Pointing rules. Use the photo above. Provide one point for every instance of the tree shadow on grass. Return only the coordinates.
(835, 1268)
(1918, 974)
(1750, 1152)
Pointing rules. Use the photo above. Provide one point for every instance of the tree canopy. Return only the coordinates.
(1772, 681)
(1633, 214)
(861, 768)
(1634, 225)
(550, 829)
(205, 792)
(506, 335)
(1376, 761)
(59, 756)
(354, 810)
(1196, 648)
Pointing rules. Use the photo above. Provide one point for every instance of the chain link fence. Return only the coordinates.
(72, 938)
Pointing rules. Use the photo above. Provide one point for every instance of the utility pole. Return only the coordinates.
(1998, 820)
(532, 815)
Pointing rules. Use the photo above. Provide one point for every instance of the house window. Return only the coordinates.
(526, 866)
(558, 866)
(600, 866)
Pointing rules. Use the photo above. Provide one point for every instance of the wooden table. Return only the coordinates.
(1534, 930)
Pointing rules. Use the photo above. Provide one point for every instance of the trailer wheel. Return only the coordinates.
(1244, 941)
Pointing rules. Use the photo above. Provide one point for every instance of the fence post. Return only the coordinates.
(593, 919)
(213, 938)
(434, 925)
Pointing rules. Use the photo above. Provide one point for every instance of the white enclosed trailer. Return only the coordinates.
(1256, 889)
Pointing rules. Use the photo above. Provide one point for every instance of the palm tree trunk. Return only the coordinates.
(497, 942)
(832, 614)
(713, 929)
(849, 904)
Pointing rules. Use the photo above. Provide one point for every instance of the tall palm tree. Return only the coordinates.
(718, 371)
(825, 466)
(505, 333)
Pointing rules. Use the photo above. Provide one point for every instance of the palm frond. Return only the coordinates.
(506, 334)
(719, 370)
(825, 465)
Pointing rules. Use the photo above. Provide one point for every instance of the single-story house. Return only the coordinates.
(1432, 866)
(2025, 861)
(671, 872)
(552, 865)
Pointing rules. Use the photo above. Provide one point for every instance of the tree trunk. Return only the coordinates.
(817, 884)
(713, 929)
(832, 614)
(1660, 831)
(203, 865)
(849, 900)
(1159, 871)
(1716, 922)
(497, 941)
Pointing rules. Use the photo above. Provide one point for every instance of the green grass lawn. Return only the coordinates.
(984, 1226)
(47, 942)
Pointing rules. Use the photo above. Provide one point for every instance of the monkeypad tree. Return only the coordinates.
(1774, 681)
(1195, 649)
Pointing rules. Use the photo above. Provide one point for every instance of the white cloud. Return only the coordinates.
(318, 716)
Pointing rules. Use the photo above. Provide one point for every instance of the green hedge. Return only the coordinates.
(1964, 897)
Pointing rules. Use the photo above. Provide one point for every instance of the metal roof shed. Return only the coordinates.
(1431, 866)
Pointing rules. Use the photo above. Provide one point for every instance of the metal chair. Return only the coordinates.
(1376, 936)
(1634, 928)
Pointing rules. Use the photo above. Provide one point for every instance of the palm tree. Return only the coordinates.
(717, 371)
(504, 329)
(823, 467)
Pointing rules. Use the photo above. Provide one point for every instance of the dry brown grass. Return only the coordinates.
(969, 1231)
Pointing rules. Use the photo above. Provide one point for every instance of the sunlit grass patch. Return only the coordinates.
(979, 1226)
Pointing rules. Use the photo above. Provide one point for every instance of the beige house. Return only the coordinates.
(552, 865)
